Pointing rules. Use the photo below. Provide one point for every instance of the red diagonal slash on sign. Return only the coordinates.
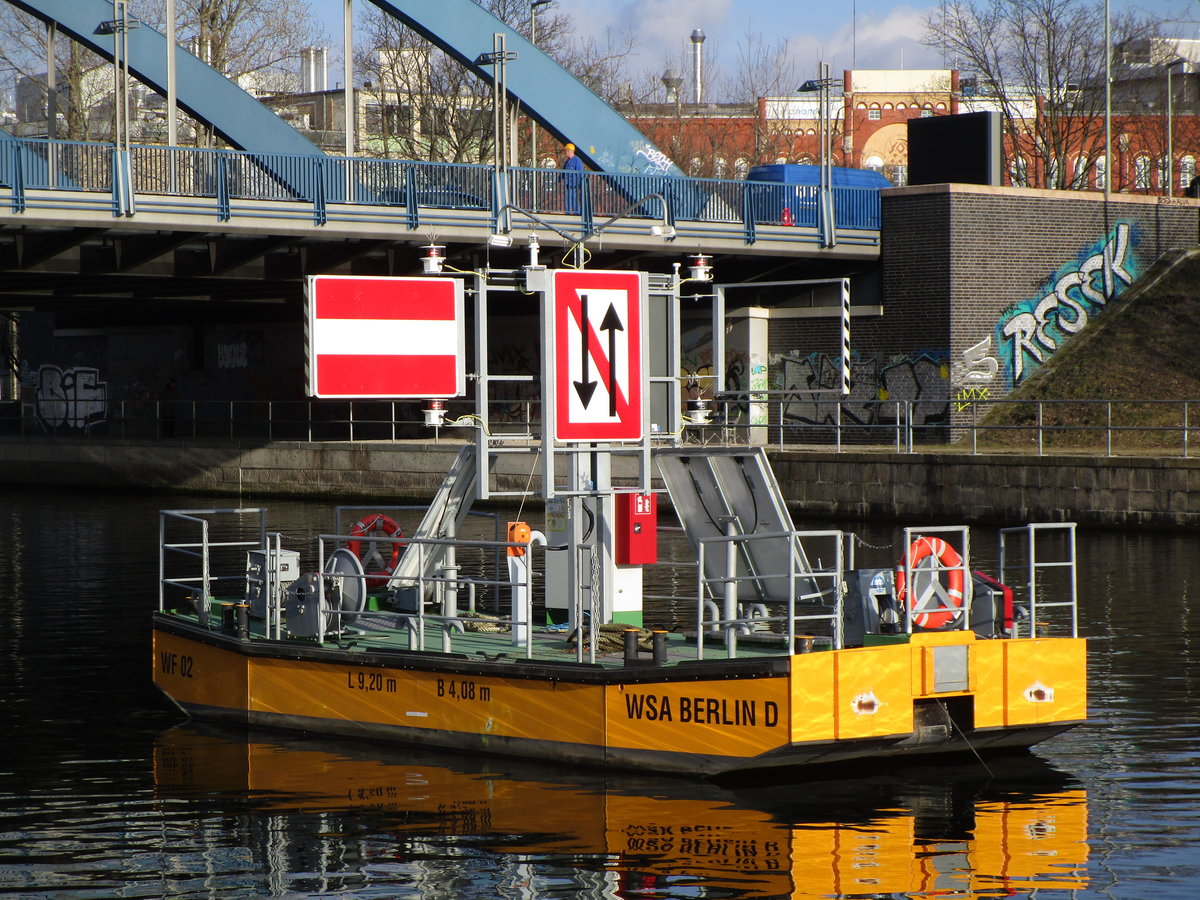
(590, 351)
(597, 337)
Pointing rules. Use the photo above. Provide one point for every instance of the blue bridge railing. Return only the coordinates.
(221, 183)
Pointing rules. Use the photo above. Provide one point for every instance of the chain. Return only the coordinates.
(861, 543)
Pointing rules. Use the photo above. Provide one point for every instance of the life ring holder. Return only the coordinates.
(362, 530)
(948, 561)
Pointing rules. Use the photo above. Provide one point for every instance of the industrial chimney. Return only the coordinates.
(313, 77)
(697, 41)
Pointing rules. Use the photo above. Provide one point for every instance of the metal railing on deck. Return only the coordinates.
(770, 418)
(740, 600)
(1030, 427)
(197, 181)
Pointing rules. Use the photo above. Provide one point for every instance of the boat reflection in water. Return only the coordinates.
(951, 831)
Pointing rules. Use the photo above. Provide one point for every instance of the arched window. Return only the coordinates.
(887, 106)
(1164, 172)
(695, 166)
(874, 112)
(1101, 166)
(874, 163)
(1052, 170)
(1141, 173)
(722, 168)
(1187, 171)
(901, 106)
(740, 167)
(941, 106)
(1079, 173)
(1018, 172)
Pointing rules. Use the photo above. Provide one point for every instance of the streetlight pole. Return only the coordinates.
(1170, 131)
(825, 192)
(533, 9)
(499, 58)
(1108, 276)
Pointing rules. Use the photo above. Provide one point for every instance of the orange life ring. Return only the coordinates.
(367, 526)
(947, 557)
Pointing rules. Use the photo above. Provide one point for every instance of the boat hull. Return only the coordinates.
(937, 693)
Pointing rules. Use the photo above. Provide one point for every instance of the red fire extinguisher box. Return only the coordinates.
(636, 541)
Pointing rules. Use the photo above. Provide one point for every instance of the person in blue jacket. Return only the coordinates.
(573, 179)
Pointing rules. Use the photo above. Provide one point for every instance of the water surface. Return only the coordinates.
(105, 792)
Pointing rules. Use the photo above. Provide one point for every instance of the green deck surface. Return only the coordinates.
(374, 631)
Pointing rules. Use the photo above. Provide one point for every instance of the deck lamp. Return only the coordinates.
(433, 260)
(434, 412)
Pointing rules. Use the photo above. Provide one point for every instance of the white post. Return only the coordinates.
(172, 97)
(1170, 134)
(348, 88)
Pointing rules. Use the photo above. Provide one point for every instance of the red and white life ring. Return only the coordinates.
(376, 523)
(947, 558)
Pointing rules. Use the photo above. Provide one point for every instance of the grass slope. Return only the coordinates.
(1145, 347)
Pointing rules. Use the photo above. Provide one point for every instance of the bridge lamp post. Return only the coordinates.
(823, 85)
(499, 58)
(534, 5)
(1169, 65)
(119, 27)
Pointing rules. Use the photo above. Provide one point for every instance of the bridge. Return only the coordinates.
(236, 223)
(85, 224)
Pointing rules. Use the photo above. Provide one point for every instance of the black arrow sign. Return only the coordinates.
(612, 324)
(586, 387)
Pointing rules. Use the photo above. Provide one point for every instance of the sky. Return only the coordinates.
(866, 34)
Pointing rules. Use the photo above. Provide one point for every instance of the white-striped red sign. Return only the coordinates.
(395, 338)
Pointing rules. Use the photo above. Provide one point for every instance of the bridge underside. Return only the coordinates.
(101, 270)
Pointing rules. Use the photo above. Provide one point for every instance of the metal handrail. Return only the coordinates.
(198, 550)
(815, 417)
(208, 182)
(824, 422)
(1037, 569)
(725, 586)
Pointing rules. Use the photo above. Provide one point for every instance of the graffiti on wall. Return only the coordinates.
(74, 399)
(971, 379)
(1029, 332)
(875, 388)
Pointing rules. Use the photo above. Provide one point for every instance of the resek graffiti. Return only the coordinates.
(1030, 331)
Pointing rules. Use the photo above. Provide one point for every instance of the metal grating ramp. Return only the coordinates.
(724, 492)
(455, 497)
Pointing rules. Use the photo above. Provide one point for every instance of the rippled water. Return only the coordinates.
(105, 793)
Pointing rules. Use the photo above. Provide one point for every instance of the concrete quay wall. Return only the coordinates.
(932, 486)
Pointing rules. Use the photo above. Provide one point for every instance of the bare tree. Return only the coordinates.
(423, 104)
(255, 42)
(420, 102)
(1041, 64)
(765, 70)
(82, 84)
(251, 41)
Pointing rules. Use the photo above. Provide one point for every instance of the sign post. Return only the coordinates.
(594, 375)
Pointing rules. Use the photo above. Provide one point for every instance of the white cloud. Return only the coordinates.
(662, 27)
(878, 42)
